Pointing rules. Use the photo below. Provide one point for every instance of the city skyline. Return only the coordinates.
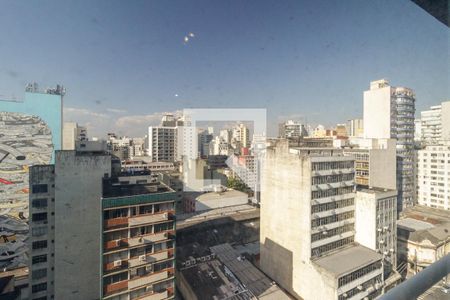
(124, 66)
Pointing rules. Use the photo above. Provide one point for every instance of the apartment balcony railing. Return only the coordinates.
(115, 244)
(115, 287)
(150, 278)
(150, 258)
(115, 265)
(116, 223)
(154, 296)
(421, 282)
(151, 218)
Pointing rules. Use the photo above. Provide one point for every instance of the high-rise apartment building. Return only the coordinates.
(433, 176)
(292, 129)
(99, 233)
(72, 133)
(162, 143)
(389, 113)
(435, 124)
(307, 226)
(241, 135)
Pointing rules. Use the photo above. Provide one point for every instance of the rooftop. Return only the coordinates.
(435, 235)
(220, 195)
(123, 190)
(252, 278)
(210, 280)
(413, 224)
(347, 260)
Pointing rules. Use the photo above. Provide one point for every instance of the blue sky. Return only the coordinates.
(124, 62)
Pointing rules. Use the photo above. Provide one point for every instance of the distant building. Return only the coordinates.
(292, 129)
(204, 138)
(355, 128)
(389, 113)
(241, 136)
(113, 232)
(307, 226)
(433, 176)
(72, 133)
(435, 124)
(162, 143)
(341, 130)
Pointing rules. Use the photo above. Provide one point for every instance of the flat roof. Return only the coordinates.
(413, 224)
(124, 190)
(252, 278)
(210, 280)
(220, 195)
(347, 260)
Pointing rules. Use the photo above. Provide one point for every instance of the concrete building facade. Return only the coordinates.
(435, 124)
(376, 223)
(72, 133)
(162, 143)
(292, 129)
(307, 229)
(355, 128)
(112, 232)
(389, 113)
(375, 162)
(433, 176)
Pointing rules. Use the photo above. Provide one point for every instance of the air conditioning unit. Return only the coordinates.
(117, 263)
(360, 287)
(166, 215)
(142, 258)
(148, 268)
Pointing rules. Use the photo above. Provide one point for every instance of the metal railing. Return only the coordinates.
(421, 282)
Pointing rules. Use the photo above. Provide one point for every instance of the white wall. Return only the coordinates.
(78, 224)
(377, 113)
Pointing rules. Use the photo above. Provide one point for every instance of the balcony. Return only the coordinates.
(115, 287)
(151, 218)
(155, 296)
(116, 223)
(115, 244)
(115, 265)
(146, 239)
(150, 258)
(150, 278)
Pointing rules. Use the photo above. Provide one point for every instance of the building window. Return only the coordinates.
(39, 259)
(39, 244)
(38, 274)
(39, 287)
(39, 217)
(39, 231)
(39, 203)
(39, 188)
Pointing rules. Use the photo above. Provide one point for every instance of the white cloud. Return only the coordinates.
(116, 110)
(99, 123)
(82, 112)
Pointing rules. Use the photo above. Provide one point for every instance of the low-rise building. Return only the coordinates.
(423, 238)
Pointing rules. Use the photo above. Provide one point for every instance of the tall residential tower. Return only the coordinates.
(389, 113)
